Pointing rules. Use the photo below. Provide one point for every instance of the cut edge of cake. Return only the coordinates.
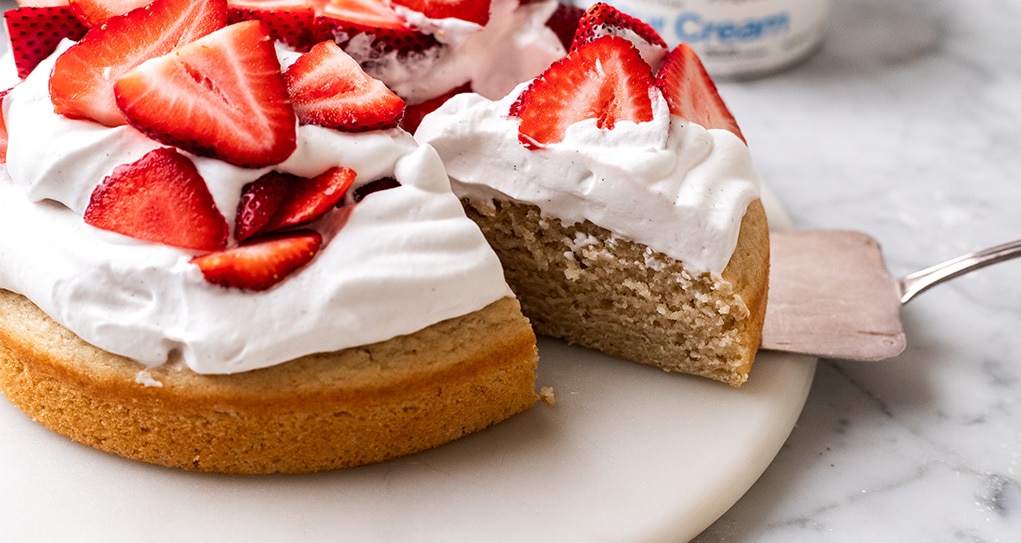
(582, 284)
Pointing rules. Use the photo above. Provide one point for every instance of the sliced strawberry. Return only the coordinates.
(378, 185)
(604, 79)
(289, 21)
(261, 264)
(329, 88)
(602, 19)
(260, 200)
(473, 11)
(368, 13)
(309, 199)
(222, 96)
(564, 22)
(272, 4)
(96, 12)
(159, 198)
(34, 33)
(376, 22)
(278, 200)
(81, 85)
(691, 93)
(414, 114)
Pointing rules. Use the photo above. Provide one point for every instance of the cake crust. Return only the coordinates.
(319, 412)
(582, 284)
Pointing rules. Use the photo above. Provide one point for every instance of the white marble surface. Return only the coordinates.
(905, 125)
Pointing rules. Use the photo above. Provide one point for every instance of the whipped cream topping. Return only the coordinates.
(668, 183)
(515, 46)
(396, 262)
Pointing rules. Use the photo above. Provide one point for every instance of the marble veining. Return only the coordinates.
(905, 125)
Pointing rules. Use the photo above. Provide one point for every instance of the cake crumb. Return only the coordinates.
(146, 379)
(547, 396)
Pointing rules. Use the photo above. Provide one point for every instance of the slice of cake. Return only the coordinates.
(214, 261)
(621, 198)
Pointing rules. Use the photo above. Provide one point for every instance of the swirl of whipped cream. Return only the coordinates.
(668, 183)
(396, 262)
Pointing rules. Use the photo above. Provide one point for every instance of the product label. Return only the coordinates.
(696, 28)
(736, 37)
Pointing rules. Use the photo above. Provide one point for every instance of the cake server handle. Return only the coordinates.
(915, 283)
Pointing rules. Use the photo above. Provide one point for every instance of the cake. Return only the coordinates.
(230, 257)
(619, 193)
(214, 261)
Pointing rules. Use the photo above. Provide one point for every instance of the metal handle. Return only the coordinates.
(920, 281)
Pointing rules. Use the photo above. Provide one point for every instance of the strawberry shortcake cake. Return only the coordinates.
(221, 253)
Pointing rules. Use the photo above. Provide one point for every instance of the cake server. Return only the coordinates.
(831, 295)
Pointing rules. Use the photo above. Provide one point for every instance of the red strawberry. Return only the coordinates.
(34, 33)
(564, 22)
(414, 114)
(691, 93)
(221, 96)
(309, 199)
(260, 200)
(159, 198)
(604, 79)
(289, 21)
(329, 88)
(371, 13)
(278, 200)
(344, 20)
(81, 85)
(603, 19)
(258, 265)
(96, 12)
(474, 11)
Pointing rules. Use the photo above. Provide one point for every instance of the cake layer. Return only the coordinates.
(319, 412)
(585, 285)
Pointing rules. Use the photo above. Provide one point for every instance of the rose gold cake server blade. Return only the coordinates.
(831, 295)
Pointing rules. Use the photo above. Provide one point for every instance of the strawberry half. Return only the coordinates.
(602, 19)
(221, 96)
(288, 21)
(344, 20)
(81, 85)
(604, 79)
(473, 11)
(329, 88)
(34, 33)
(159, 198)
(691, 93)
(258, 265)
(96, 12)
